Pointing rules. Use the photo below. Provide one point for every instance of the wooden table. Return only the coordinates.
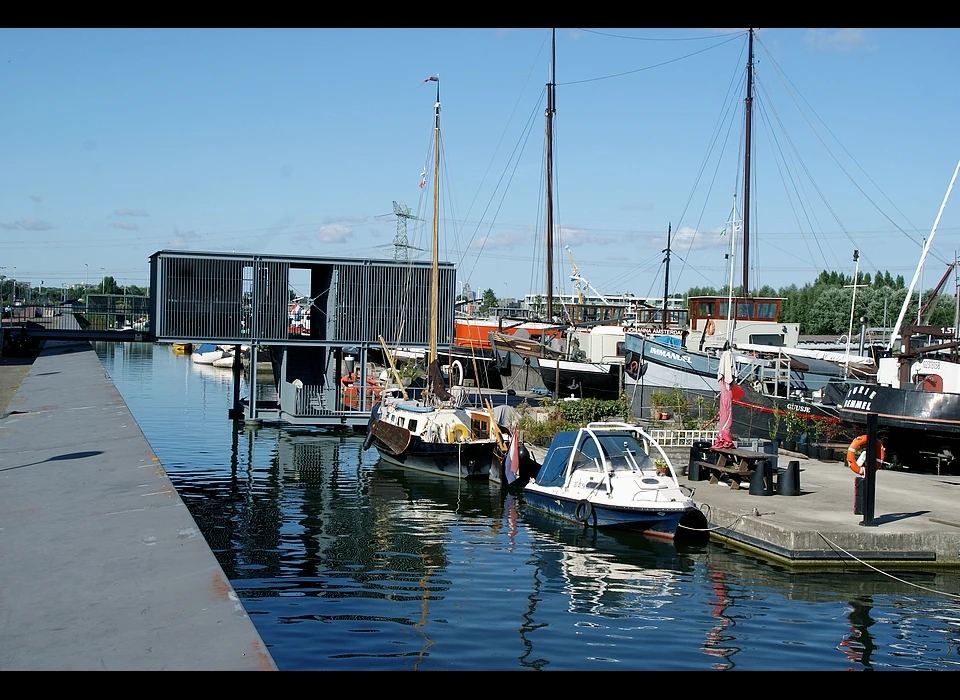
(732, 463)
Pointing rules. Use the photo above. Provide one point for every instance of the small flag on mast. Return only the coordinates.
(723, 232)
(423, 178)
(433, 78)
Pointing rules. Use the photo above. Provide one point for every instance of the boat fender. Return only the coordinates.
(458, 367)
(856, 446)
(711, 327)
(374, 415)
(583, 511)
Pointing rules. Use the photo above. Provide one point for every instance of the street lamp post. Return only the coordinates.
(86, 280)
(102, 278)
(14, 285)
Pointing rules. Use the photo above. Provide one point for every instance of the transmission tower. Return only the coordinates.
(401, 246)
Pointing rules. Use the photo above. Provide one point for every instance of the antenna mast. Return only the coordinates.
(551, 109)
(666, 277)
(748, 103)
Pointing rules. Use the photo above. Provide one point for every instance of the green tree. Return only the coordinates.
(488, 301)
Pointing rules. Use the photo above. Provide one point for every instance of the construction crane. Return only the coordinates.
(579, 283)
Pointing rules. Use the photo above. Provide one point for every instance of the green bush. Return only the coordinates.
(569, 415)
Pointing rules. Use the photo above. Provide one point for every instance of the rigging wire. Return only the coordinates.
(777, 149)
(493, 157)
(640, 38)
(786, 80)
(646, 68)
(518, 150)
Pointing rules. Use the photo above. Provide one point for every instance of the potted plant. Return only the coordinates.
(792, 427)
(658, 399)
(831, 431)
(773, 430)
(662, 468)
(679, 403)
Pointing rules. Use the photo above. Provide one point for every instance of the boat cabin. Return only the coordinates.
(756, 321)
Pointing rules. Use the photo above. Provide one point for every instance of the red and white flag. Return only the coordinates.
(511, 465)
(431, 78)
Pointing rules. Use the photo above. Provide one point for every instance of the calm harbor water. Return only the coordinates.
(346, 564)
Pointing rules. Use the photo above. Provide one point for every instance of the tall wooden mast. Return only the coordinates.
(435, 264)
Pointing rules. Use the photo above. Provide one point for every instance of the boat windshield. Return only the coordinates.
(623, 452)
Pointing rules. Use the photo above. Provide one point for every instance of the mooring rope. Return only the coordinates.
(880, 571)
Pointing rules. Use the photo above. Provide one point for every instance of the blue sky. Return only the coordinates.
(118, 143)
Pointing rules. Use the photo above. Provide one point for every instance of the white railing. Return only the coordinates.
(680, 438)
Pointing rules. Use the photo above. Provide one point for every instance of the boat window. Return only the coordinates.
(773, 339)
(767, 310)
(623, 451)
(587, 455)
(621, 349)
(745, 309)
(724, 309)
(705, 308)
(413, 426)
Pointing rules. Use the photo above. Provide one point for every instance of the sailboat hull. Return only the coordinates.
(467, 460)
(581, 380)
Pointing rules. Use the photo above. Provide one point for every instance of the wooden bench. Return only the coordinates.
(733, 463)
(717, 472)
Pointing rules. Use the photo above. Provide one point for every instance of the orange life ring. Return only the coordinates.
(855, 446)
(349, 379)
(711, 327)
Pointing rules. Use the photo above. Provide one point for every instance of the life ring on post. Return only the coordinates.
(711, 327)
(458, 431)
(856, 446)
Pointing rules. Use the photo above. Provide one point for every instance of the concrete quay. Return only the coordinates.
(916, 523)
(101, 564)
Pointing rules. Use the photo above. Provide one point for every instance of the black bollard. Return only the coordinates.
(788, 481)
(698, 452)
(761, 480)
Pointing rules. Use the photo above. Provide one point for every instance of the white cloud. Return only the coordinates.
(333, 233)
(835, 39)
(27, 225)
(130, 212)
(126, 225)
(181, 239)
(686, 238)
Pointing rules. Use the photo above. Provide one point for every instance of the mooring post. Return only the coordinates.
(870, 472)
(252, 419)
(236, 412)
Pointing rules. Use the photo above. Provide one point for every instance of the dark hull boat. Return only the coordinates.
(918, 422)
(591, 380)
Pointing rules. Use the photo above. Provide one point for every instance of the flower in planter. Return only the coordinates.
(662, 468)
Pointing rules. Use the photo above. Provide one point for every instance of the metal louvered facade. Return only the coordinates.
(243, 298)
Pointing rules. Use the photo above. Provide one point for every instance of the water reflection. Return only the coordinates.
(347, 564)
(858, 645)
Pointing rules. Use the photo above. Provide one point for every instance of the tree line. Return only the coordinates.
(823, 306)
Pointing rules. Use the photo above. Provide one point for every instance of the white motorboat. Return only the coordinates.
(615, 475)
(208, 353)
